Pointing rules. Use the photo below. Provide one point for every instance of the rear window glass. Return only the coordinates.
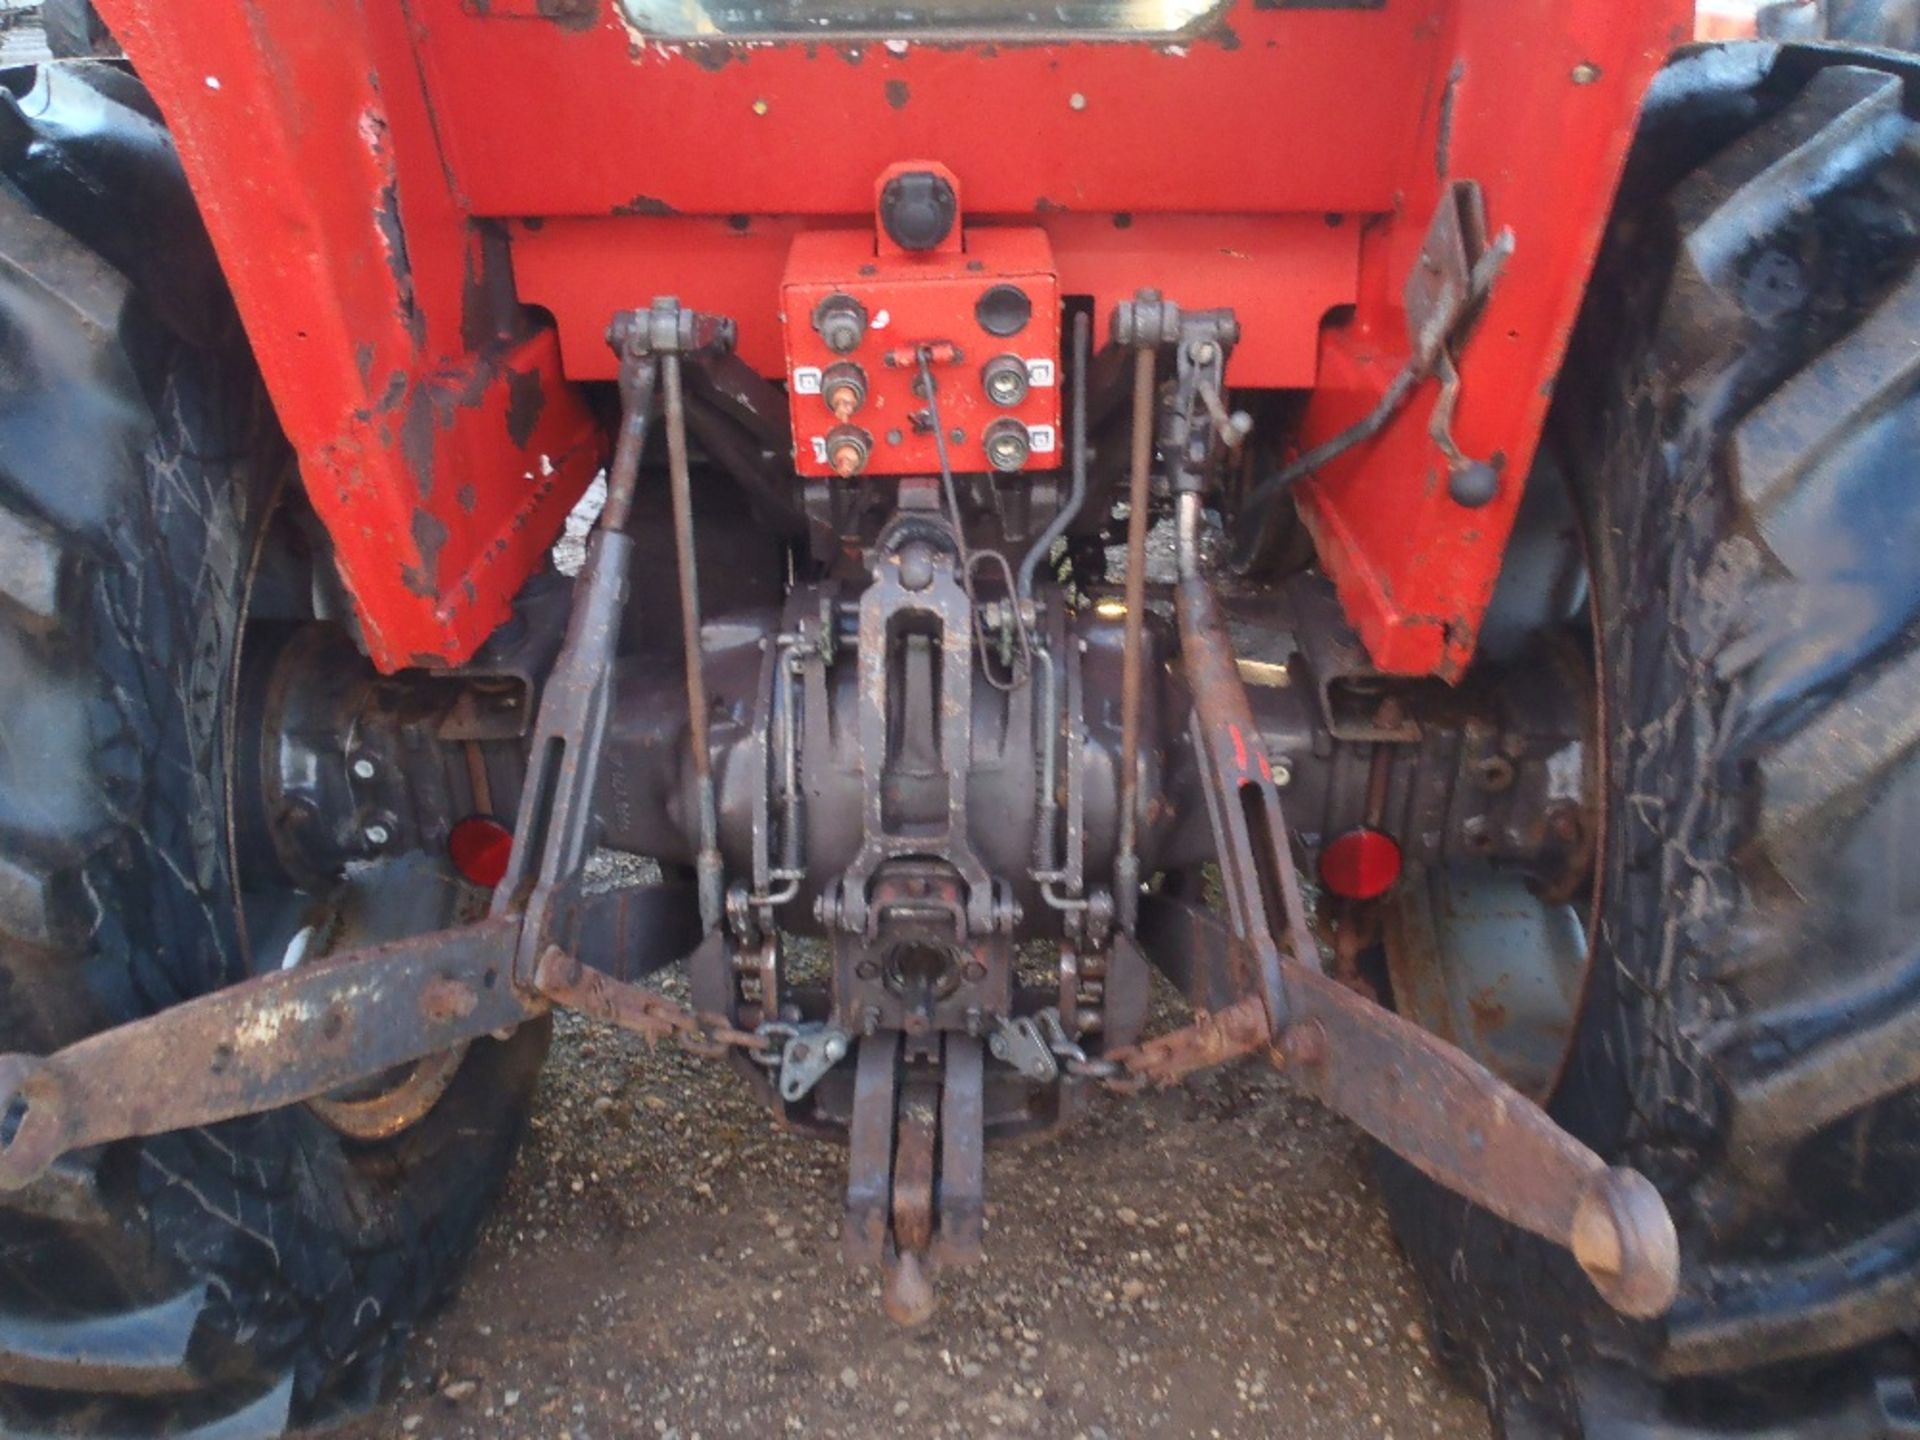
(958, 19)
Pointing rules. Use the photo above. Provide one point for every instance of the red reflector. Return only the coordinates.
(479, 847)
(1360, 865)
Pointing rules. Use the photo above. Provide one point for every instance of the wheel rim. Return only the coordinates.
(1475, 956)
(1492, 960)
(385, 900)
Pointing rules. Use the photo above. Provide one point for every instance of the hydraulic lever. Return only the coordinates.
(1420, 1097)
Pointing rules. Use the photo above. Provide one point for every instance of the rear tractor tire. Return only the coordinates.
(1893, 24)
(257, 1274)
(1738, 424)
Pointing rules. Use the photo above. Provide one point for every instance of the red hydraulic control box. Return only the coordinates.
(857, 314)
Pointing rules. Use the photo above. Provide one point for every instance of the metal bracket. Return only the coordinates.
(916, 574)
(1417, 1095)
(1017, 1041)
(1449, 286)
(915, 1180)
(811, 1050)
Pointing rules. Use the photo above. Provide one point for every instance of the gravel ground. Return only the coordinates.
(1207, 1262)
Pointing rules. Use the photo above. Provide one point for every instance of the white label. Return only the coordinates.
(819, 449)
(1566, 773)
(1040, 373)
(806, 380)
(1040, 437)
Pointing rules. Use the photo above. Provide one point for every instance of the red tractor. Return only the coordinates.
(1379, 517)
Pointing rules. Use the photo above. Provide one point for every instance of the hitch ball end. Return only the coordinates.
(907, 1294)
(1624, 1239)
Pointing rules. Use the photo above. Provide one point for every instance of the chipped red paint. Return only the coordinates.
(440, 447)
(1542, 102)
(1286, 163)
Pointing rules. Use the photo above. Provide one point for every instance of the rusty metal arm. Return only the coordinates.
(1423, 1099)
(1460, 1125)
(1256, 868)
(551, 833)
(269, 1042)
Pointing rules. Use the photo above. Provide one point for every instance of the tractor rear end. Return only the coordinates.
(1085, 509)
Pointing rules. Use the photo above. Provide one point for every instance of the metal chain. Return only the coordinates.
(1075, 1061)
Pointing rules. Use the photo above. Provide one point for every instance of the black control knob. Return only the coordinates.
(1473, 484)
(917, 209)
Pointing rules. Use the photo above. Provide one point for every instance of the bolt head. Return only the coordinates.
(377, 834)
(363, 769)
